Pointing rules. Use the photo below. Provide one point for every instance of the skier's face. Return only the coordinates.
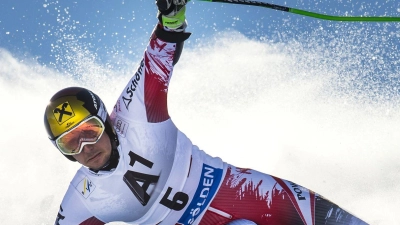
(95, 156)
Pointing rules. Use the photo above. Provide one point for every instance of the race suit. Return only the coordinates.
(162, 178)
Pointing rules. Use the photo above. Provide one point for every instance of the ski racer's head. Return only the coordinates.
(78, 124)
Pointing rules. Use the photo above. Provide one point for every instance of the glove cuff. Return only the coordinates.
(172, 37)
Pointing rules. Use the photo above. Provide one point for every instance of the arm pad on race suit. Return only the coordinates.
(172, 37)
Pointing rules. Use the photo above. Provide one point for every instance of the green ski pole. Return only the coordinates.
(310, 14)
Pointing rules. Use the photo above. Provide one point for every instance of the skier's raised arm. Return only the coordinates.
(144, 99)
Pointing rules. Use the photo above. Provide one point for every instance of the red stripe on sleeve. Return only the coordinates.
(157, 74)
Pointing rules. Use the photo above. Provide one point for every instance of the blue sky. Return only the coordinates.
(39, 28)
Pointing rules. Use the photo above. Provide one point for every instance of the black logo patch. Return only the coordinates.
(63, 112)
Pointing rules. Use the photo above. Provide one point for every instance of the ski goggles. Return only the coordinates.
(88, 131)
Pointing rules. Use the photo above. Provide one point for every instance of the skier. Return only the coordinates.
(137, 167)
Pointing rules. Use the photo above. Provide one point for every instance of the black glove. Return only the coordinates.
(171, 14)
(167, 7)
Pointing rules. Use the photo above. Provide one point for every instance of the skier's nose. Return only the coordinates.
(87, 148)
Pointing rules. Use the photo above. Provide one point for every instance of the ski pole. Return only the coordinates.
(310, 14)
